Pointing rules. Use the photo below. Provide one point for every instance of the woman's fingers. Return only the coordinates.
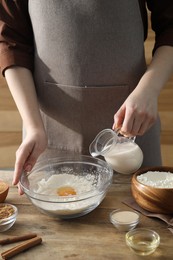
(133, 120)
(29, 151)
(22, 155)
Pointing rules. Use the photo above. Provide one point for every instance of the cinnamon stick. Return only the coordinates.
(17, 238)
(21, 247)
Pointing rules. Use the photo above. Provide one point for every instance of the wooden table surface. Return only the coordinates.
(86, 238)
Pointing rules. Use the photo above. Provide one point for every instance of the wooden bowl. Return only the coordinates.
(153, 199)
(4, 188)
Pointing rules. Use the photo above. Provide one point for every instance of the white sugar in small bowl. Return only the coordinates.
(124, 220)
(152, 189)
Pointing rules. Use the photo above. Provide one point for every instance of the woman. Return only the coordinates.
(84, 62)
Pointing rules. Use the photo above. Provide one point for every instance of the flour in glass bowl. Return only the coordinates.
(156, 179)
(79, 183)
(70, 204)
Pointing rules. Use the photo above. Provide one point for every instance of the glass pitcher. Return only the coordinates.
(121, 153)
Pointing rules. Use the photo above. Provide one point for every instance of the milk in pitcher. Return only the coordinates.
(124, 157)
(120, 152)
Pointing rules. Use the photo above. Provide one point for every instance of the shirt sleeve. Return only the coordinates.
(16, 35)
(161, 21)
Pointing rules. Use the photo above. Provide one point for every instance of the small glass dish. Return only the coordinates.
(142, 241)
(124, 220)
(8, 215)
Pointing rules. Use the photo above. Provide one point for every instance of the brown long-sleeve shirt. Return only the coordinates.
(16, 35)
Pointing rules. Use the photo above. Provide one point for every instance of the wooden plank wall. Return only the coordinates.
(10, 127)
(11, 124)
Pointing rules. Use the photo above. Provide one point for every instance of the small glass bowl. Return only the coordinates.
(7, 223)
(124, 220)
(142, 241)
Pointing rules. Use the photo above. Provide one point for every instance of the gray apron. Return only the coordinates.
(89, 56)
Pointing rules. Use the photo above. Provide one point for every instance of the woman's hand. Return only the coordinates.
(27, 154)
(137, 114)
(139, 111)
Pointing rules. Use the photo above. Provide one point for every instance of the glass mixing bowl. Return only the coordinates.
(67, 187)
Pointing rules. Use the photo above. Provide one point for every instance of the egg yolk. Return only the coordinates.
(66, 191)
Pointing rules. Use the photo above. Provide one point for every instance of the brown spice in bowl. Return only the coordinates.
(6, 211)
(2, 186)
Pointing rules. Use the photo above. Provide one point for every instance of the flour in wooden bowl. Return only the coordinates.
(156, 179)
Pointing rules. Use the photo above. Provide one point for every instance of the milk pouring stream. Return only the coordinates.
(121, 153)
